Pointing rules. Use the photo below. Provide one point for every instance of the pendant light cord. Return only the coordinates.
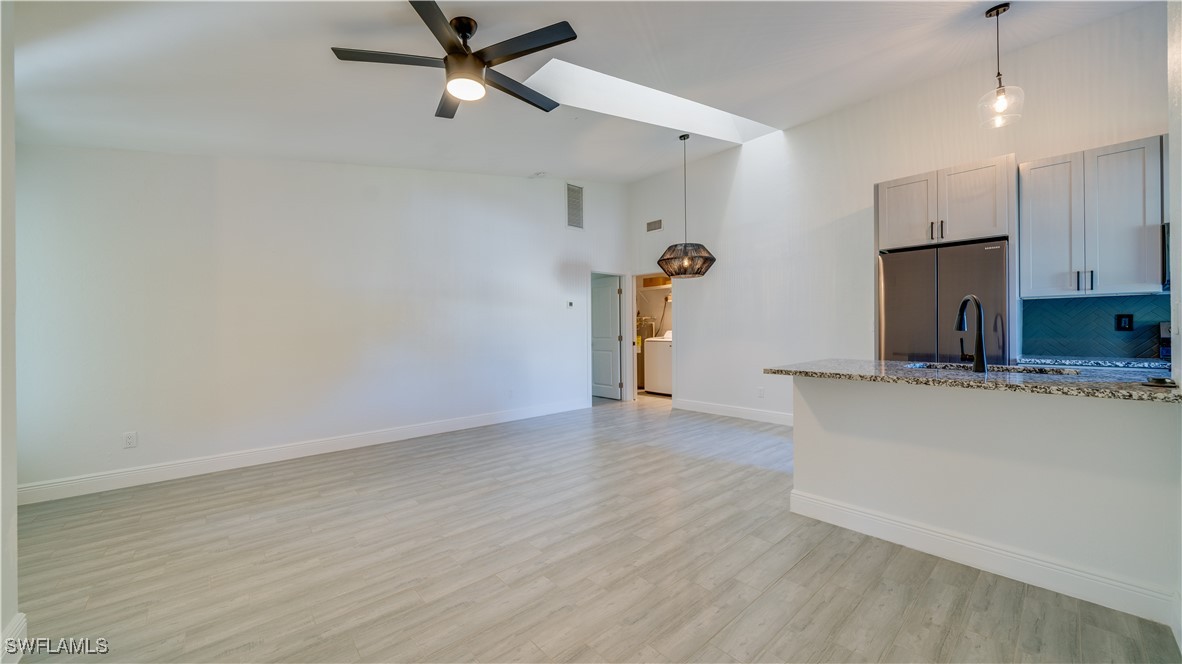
(997, 34)
(684, 192)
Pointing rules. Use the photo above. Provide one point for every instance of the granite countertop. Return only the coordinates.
(1103, 383)
(1112, 362)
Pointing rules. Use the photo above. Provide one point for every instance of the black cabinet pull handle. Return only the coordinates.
(941, 229)
(932, 230)
(1092, 277)
(1078, 280)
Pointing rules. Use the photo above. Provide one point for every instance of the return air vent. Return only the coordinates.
(653, 226)
(574, 206)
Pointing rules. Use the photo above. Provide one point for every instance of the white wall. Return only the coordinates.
(12, 622)
(790, 216)
(222, 305)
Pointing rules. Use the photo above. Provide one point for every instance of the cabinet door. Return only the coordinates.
(974, 200)
(1051, 226)
(1122, 214)
(907, 211)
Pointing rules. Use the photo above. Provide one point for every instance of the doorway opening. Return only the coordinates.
(654, 334)
(607, 337)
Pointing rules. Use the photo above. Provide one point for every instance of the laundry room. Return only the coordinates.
(654, 334)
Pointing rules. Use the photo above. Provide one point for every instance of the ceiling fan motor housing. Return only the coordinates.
(464, 65)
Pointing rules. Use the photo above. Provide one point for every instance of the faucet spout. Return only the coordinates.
(962, 325)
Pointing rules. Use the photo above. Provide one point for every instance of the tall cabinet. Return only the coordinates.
(925, 262)
(1090, 222)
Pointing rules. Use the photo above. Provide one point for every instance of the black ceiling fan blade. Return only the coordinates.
(357, 55)
(530, 42)
(433, 16)
(447, 106)
(511, 87)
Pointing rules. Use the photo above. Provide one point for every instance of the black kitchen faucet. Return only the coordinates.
(962, 325)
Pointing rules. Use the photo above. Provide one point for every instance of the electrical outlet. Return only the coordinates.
(1124, 323)
(759, 392)
(131, 439)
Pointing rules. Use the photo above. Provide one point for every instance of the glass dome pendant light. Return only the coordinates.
(1003, 105)
(687, 259)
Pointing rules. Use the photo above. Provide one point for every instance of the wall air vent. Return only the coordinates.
(653, 226)
(574, 206)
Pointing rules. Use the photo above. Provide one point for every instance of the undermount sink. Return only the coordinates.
(948, 366)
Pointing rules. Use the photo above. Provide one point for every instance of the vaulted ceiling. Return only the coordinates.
(258, 79)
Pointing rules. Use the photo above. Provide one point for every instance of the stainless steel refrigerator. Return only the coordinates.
(921, 290)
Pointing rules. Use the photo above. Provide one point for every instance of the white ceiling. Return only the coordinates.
(258, 79)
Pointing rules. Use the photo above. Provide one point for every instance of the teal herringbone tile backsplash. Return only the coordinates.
(1086, 326)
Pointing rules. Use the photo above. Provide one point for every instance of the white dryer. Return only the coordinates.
(658, 364)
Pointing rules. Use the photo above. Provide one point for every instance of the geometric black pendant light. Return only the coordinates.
(685, 260)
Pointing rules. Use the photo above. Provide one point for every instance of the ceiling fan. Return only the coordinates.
(468, 72)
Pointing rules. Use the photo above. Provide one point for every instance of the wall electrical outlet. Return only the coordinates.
(131, 439)
(759, 392)
(1124, 322)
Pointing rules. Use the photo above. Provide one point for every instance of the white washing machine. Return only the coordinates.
(658, 364)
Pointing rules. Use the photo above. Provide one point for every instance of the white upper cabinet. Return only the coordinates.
(974, 200)
(1051, 227)
(961, 203)
(1122, 214)
(907, 211)
(1090, 222)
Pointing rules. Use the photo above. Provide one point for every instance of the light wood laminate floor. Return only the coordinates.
(624, 532)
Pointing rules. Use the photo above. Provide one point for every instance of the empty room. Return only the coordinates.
(590, 331)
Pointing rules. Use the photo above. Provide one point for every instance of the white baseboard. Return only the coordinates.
(35, 492)
(756, 414)
(17, 628)
(1157, 604)
(1176, 625)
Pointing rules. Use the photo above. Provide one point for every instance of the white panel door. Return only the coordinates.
(907, 211)
(605, 337)
(974, 201)
(1051, 226)
(1123, 217)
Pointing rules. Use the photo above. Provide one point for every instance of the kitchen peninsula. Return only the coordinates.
(1064, 478)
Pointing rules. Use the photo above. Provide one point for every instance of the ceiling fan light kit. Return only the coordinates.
(465, 76)
(685, 260)
(1002, 105)
(468, 72)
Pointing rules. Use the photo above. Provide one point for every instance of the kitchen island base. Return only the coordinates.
(1056, 491)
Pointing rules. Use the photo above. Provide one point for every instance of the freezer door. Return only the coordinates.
(907, 306)
(979, 269)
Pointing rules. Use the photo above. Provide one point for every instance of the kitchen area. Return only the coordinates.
(1019, 415)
